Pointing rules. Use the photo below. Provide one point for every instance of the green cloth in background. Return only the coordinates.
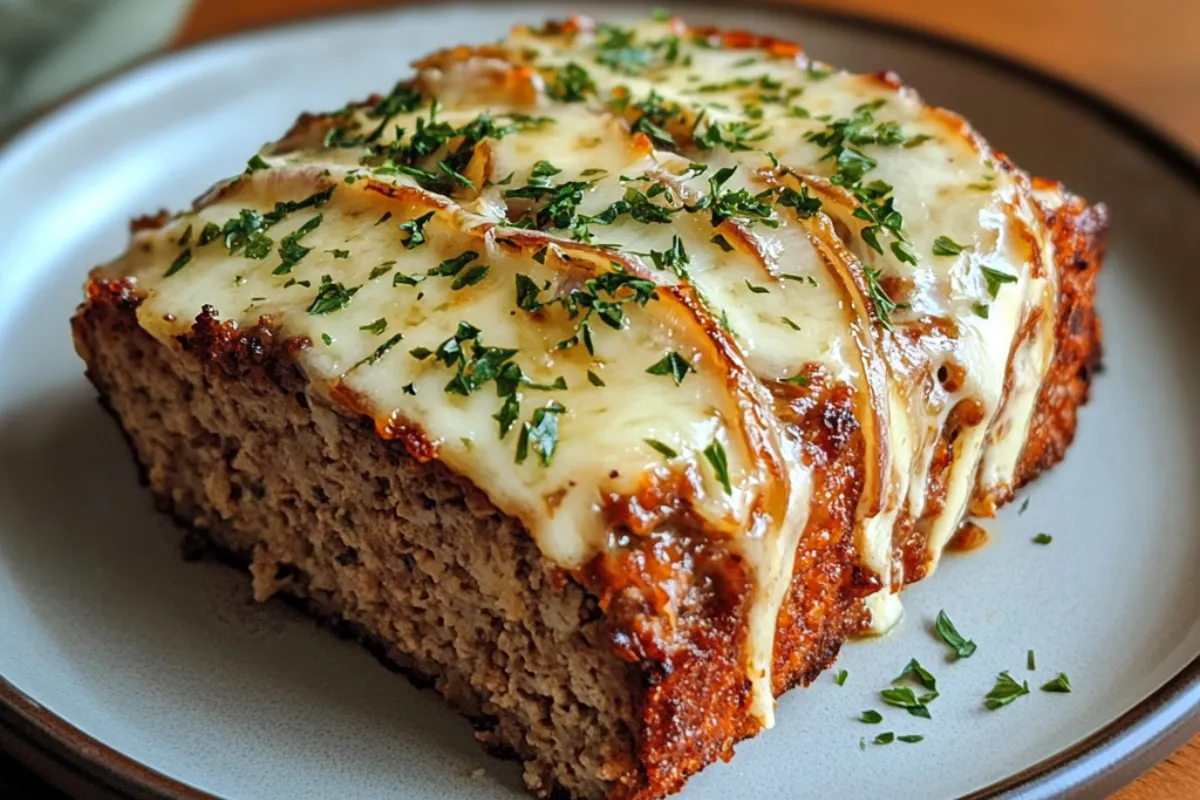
(49, 48)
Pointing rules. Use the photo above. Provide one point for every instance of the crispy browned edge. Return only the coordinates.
(1080, 236)
(694, 695)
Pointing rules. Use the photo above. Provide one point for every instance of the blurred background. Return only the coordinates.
(1143, 55)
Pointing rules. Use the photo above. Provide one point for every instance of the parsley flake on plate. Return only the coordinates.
(963, 648)
(1005, 691)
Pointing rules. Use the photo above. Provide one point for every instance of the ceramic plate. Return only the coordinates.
(159, 675)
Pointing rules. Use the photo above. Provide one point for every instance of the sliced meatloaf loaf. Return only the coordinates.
(609, 377)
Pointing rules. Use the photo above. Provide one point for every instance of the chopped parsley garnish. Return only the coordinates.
(817, 73)
(209, 233)
(403, 155)
(562, 201)
(381, 350)
(735, 136)
(878, 210)
(672, 364)
(1061, 683)
(179, 263)
(617, 51)
(1005, 691)
(638, 205)
(604, 297)
(594, 379)
(666, 450)
(377, 327)
(454, 175)
(915, 671)
(721, 242)
(904, 697)
(654, 115)
(483, 365)
(540, 434)
(331, 296)
(382, 269)
(757, 289)
(571, 84)
(403, 98)
(186, 238)
(453, 266)
(675, 258)
(910, 738)
(842, 139)
(527, 293)
(400, 279)
(414, 231)
(1024, 506)
(1043, 538)
(290, 249)
(471, 277)
(246, 231)
(477, 366)
(541, 173)
(256, 163)
(871, 717)
(790, 324)
(800, 379)
(886, 737)
(884, 304)
(743, 206)
(995, 279)
(950, 635)
(339, 253)
(919, 139)
(840, 680)
(805, 205)
(327, 339)
(945, 246)
(1030, 661)
(508, 414)
(715, 453)
(790, 276)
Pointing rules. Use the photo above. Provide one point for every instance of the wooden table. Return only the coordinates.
(1142, 55)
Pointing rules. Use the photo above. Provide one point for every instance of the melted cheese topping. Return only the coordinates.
(579, 271)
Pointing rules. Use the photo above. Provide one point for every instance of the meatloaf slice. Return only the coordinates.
(612, 416)
(418, 564)
(413, 557)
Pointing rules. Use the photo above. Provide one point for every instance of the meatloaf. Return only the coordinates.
(608, 377)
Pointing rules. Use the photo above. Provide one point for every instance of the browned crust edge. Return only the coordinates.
(1080, 235)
